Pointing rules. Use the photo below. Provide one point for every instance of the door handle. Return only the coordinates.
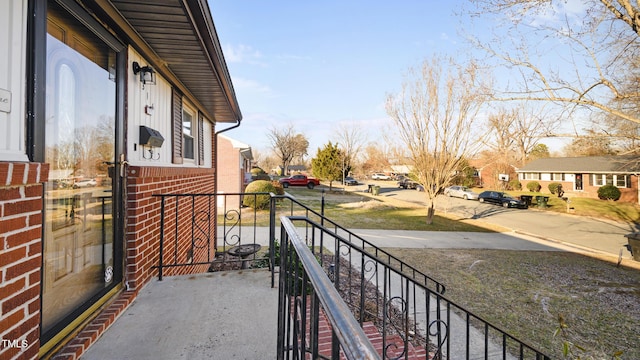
(123, 163)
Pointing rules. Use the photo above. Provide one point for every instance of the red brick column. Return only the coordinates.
(21, 204)
(143, 217)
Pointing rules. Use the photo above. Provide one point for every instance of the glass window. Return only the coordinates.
(621, 181)
(188, 133)
(608, 179)
(597, 179)
(557, 177)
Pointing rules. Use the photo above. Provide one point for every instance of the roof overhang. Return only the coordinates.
(179, 40)
(619, 164)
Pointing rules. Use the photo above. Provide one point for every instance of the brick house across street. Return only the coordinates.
(234, 165)
(583, 176)
(103, 104)
(234, 170)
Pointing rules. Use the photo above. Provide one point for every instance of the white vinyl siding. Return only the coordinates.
(13, 18)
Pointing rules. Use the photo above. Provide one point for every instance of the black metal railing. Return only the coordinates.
(412, 320)
(297, 208)
(187, 237)
(407, 307)
(303, 290)
(212, 232)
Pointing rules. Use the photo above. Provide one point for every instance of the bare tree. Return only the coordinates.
(264, 160)
(502, 143)
(622, 10)
(351, 139)
(287, 145)
(517, 131)
(591, 144)
(375, 158)
(434, 115)
(597, 40)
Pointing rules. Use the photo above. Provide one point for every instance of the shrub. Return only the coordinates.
(257, 171)
(553, 187)
(515, 184)
(258, 201)
(609, 192)
(534, 186)
(278, 186)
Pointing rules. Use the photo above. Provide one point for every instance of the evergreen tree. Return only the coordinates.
(328, 163)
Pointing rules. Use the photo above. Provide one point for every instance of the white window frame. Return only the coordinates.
(190, 136)
(610, 179)
(624, 178)
(531, 176)
(597, 179)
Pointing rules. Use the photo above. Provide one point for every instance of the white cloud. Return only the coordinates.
(243, 54)
(241, 85)
(572, 10)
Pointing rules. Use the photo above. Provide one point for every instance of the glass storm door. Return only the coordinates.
(578, 181)
(80, 135)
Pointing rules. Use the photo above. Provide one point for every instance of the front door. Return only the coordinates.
(578, 181)
(80, 258)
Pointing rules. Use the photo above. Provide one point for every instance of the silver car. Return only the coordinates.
(461, 192)
(380, 176)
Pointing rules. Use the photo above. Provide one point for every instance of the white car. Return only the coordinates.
(84, 183)
(461, 192)
(380, 176)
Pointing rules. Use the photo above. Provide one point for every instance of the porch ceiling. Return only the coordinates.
(180, 39)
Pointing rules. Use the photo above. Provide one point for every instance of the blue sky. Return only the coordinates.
(316, 64)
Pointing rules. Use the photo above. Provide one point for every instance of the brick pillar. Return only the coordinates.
(21, 204)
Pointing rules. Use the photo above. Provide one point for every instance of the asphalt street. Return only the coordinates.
(578, 231)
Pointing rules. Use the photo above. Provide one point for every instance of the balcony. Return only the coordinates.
(322, 292)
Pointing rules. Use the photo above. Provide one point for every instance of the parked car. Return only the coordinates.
(460, 192)
(299, 180)
(407, 183)
(380, 176)
(350, 181)
(500, 198)
(61, 184)
(84, 183)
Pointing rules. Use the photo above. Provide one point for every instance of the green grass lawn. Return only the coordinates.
(525, 292)
(355, 211)
(605, 209)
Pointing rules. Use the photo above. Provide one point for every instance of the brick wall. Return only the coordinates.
(21, 206)
(142, 235)
(143, 219)
(589, 190)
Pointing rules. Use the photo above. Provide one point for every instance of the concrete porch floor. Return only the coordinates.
(220, 315)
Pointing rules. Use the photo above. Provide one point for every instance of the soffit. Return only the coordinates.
(183, 41)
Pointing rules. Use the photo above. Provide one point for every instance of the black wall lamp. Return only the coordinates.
(147, 74)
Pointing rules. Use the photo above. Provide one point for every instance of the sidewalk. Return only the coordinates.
(597, 237)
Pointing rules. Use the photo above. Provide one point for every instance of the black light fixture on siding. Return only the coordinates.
(147, 74)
